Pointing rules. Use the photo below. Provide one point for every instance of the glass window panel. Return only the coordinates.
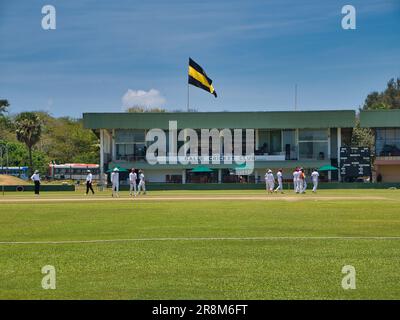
(276, 141)
(129, 136)
(269, 141)
(139, 135)
(313, 150)
(312, 135)
(390, 134)
(380, 134)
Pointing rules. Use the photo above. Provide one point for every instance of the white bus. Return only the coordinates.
(73, 171)
(20, 172)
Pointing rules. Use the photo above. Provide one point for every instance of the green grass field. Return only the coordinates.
(201, 245)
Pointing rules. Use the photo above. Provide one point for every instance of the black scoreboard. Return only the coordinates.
(355, 162)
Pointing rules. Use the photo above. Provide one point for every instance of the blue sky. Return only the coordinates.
(255, 52)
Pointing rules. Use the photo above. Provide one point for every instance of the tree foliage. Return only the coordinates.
(142, 109)
(362, 137)
(62, 140)
(28, 129)
(4, 106)
(387, 99)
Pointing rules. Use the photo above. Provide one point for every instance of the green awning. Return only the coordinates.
(328, 168)
(201, 169)
(119, 169)
(244, 169)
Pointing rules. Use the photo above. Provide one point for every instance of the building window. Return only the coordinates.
(289, 144)
(388, 142)
(313, 144)
(130, 145)
(269, 142)
(313, 135)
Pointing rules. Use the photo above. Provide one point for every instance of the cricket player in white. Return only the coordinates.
(302, 178)
(296, 174)
(115, 182)
(279, 176)
(132, 182)
(269, 181)
(305, 184)
(142, 182)
(314, 177)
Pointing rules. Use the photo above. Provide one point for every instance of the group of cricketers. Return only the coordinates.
(135, 187)
(299, 181)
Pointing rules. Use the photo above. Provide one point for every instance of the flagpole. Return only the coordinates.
(188, 96)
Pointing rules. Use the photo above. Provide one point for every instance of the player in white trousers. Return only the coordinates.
(279, 176)
(314, 177)
(296, 174)
(132, 182)
(302, 178)
(115, 182)
(269, 181)
(142, 182)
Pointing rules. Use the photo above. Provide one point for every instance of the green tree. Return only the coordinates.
(28, 128)
(4, 106)
(5, 123)
(387, 99)
(18, 156)
(362, 137)
(142, 109)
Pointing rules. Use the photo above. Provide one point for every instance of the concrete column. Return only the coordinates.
(257, 139)
(339, 145)
(113, 146)
(184, 176)
(329, 153)
(219, 176)
(329, 144)
(102, 158)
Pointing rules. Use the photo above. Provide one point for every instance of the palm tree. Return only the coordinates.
(28, 128)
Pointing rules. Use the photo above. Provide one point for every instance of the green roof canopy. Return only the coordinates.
(328, 168)
(221, 120)
(201, 169)
(380, 118)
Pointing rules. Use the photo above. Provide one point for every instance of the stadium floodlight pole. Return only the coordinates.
(295, 97)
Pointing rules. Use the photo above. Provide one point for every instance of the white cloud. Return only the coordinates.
(152, 98)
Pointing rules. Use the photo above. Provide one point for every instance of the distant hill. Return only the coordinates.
(6, 180)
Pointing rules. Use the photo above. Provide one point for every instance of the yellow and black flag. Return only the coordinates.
(198, 78)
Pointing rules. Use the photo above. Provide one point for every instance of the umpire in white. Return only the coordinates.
(115, 182)
(36, 180)
(89, 180)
